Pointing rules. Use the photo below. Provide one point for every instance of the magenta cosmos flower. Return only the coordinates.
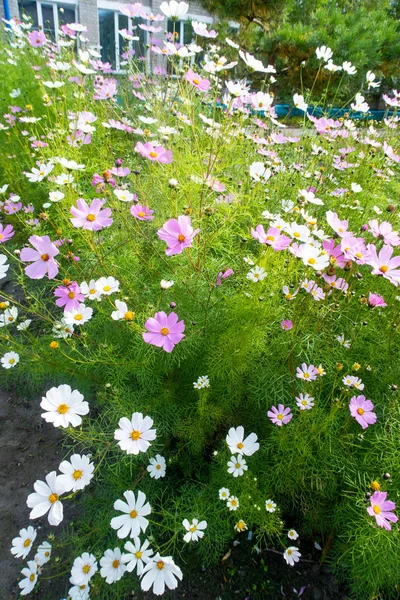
(6, 233)
(382, 510)
(287, 325)
(37, 39)
(141, 212)
(154, 153)
(384, 264)
(376, 300)
(273, 237)
(178, 234)
(91, 217)
(41, 257)
(203, 85)
(69, 296)
(361, 409)
(164, 331)
(280, 416)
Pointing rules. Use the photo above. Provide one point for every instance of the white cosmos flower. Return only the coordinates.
(15, 93)
(122, 312)
(71, 165)
(40, 173)
(259, 172)
(232, 44)
(270, 506)
(324, 53)
(330, 66)
(165, 285)
(30, 574)
(370, 79)
(64, 406)
(313, 257)
(236, 443)
(53, 84)
(43, 554)
(3, 266)
(21, 546)
(161, 571)
(90, 291)
(135, 434)
(291, 555)
(157, 467)
(356, 188)
(78, 592)
(83, 569)
(9, 316)
(298, 101)
(237, 89)
(56, 196)
(202, 382)
(292, 534)
(174, 10)
(305, 401)
(133, 521)
(233, 503)
(310, 197)
(9, 360)
(349, 68)
(237, 466)
(77, 472)
(124, 195)
(62, 330)
(138, 555)
(107, 285)
(78, 316)
(112, 566)
(255, 64)
(64, 179)
(256, 274)
(261, 101)
(46, 499)
(195, 530)
(224, 494)
(359, 104)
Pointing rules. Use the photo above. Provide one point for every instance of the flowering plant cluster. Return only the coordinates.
(208, 307)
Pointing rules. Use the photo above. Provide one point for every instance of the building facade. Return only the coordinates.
(104, 20)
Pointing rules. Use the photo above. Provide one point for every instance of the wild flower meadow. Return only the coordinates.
(206, 305)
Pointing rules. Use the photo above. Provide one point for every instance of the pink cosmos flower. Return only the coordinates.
(42, 257)
(37, 39)
(335, 253)
(376, 300)
(203, 85)
(6, 233)
(69, 296)
(154, 153)
(273, 237)
(141, 212)
(224, 275)
(164, 331)
(384, 231)
(280, 416)
(382, 510)
(361, 409)
(178, 234)
(106, 91)
(91, 217)
(384, 264)
(287, 325)
(337, 225)
(308, 373)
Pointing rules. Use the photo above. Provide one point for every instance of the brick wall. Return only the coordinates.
(88, 15)
(13, 6)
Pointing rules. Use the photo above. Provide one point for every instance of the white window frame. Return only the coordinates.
(55, 4)
(114, 7)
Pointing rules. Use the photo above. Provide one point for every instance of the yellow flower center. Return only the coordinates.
(270, 238)
(62, 409)
(11, 361)
(196, 81)
(78, 317)
(92, 291)
(376, 509)
(160, 565)
(141, 214)
(240, 445)
(45, 257)
(86, 569)
(360, 411)
(306, 375)
(77, 474)
(289, 552)
(279, 416)
(128, 316)
(1, 236)
(384, 269)
(237, 465)
(181, 238)
(135, 435)
(27, 542)
(32, 577)
(233, 502)
(375, 485)
(53, 498)
(241, 525)
(164, 331)
(138, 554)
(115, 564)
(91, 217)
(158, 467)
(304, 402)
(153, 155)
(193, 528)
(71, 295)
(106, 288)
(311, 261)
(133, 514)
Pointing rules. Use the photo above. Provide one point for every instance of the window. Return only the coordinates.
(113, 45)
(49, 15)
(183, 29)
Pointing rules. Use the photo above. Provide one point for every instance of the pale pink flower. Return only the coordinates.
(178, 234)
(91, 217)
(42, 258)
(280, 416)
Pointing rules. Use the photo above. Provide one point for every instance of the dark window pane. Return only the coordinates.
(48, 20)
(28, 7)
(187, 32)
(139, 46)
(107, 36)
(66, 14)
(123, 23)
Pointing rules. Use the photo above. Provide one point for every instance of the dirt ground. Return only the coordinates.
(30, 448)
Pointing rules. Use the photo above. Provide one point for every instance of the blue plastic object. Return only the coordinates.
(285, 110)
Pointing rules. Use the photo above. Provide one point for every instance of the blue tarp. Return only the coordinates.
(283, 110)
